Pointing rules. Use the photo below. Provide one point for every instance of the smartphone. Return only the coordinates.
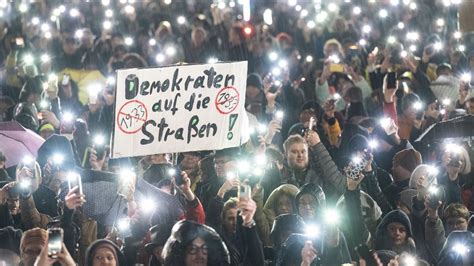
(336, 68)
(245, 192)
(178, 178)
(19, 41)
(66, 79)
(55, 241)
(366, 254)
(73, 180)
(392, 80)
(435, 196)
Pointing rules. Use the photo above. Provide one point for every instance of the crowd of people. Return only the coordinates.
(337, 168)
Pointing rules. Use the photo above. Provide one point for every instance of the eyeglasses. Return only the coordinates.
(193, 249)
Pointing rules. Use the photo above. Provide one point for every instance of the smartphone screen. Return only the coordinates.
(336, 68)
(73, 180)
(65, 80)
(20, 42)
(392, 80)
(244, 192)
(55, 241)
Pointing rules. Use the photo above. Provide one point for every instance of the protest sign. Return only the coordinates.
(178, 108)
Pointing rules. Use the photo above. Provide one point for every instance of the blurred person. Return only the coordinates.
(70, 56)
(159, 236)
(32, 243)
(190, 164)
(206, 173)
(10, 206)
(192, 244)
(10, 245)
(458, 249)
(4, 176)
(159, 165)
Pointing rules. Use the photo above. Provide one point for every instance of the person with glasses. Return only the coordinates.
(194, 244)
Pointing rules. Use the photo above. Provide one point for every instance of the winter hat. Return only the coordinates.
(423, 170)
(35, 236)
(370, 208)
(315, 191)
(408, 159)
(358, 143)
(11, 238)
(103, 243)
(56, 144)
(254, 79)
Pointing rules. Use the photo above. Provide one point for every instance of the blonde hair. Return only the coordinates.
(292, 140)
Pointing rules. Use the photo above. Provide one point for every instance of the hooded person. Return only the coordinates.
(283, 226)
(159, 236)
(310, 201)
(394, 233)
(191, 243)
(104, 252)
(280, 201)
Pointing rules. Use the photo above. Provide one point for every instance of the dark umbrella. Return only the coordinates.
(16, 142)
(458, 127)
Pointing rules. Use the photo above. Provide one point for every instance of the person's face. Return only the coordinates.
(410, 113)
(470, 107)
(252, 93)
(400, 173)
(306, 205)
(297, 156)
(223, 165)
(230, 220)
(331, 49)
(13, 205)
(198, 36)
(159, 159)
(456, 224)
(157, 253)
(31, 252)
(397, 232)
(190, 161)
(104, 257)
(196, 253)
(69, 47)
(2, 164)
(284, 205)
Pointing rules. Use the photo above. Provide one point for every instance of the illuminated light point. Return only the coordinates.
(128, 41)
(212, 60)
(383, 13)
(332, 7)
(152, 42)
(45, 58)
(321, 17)
(309, 59)
(73, 12)
(385, 122)
(109, 13)
(167, 2)
(362, 42)
(273, 56)
(366, 28)
(160, 58)
(35, 21)
(110, 80)
(440, 22)
(45, 27)
(298, 8)
(292, 2)
(412, 48)
(276, 71)
(457, 35)
(413, 36)
(248, 30)
(356, 10)
(403, 54)
(28, 59)
(461, 48)
(460, 249)
(373, 144)
(129, 9)
(466, 77)
(394, 2)
(48, 35)
(311, 24)
(446, 101)
(391, 39)
(418, 105)
(181, 20)
(413, 6)
(68, 117)
(78, 34)
(221, 5)
(107, 25)
(170, 51)
(105, 2)
(304, 13)
(438, 46)
(268, 16)
(401, 25)
(23, 8)
(231, 4)
(282, 63)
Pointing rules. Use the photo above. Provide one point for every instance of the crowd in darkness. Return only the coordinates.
(338, 168)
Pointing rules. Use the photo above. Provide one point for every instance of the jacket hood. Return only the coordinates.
(394, 216)
(285, 189)
(370, 209)
(315, 191)
(103, 242)
(56, 144)
(183, 234)
(286, 223)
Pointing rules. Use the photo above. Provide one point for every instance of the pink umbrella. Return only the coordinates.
(16, 142)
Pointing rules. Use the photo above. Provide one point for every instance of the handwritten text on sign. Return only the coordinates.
(179, 108)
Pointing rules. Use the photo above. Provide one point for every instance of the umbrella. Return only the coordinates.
(16, 142)
(458, 127)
